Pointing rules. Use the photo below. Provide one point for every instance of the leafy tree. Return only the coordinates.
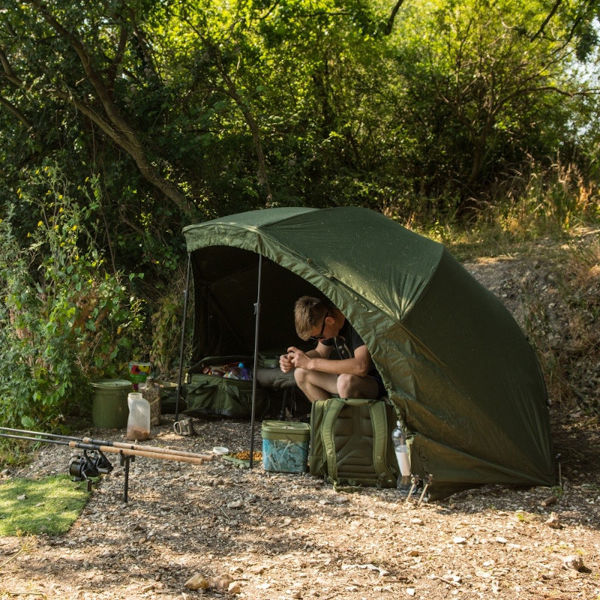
(184, 110)
(486, 93)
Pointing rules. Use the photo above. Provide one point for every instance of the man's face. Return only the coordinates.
(323, 331)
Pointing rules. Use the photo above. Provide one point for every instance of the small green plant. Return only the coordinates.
(166, 327)
(65, 318)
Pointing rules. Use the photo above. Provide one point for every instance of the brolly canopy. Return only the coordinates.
(465, 381)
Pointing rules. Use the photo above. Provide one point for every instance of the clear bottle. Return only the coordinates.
(402, 455)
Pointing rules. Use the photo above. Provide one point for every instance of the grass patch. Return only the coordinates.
(33, 506)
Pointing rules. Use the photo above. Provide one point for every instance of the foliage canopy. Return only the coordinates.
(182, 110)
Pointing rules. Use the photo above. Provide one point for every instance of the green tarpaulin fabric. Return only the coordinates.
(454, 362)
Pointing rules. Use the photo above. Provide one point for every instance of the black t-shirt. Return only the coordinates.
(346, 342)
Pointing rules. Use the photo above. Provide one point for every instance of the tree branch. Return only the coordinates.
(133, 149)
(118, 59)
(263, 178)
(231, 91)
(546, 20)
(16, 112)
(10, 74)
(390, 22)
(115, 126)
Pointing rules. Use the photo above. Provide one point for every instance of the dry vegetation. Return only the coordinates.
(257, 535)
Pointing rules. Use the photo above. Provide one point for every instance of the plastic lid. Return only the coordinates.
(286, 425)
(111, 383)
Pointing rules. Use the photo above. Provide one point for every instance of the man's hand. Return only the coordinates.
(298, 358)
(285, 362)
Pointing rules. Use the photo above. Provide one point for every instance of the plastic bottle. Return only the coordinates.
(244, 373)
(402, 455)
(138, 422)
(238, 372)
(231, 373)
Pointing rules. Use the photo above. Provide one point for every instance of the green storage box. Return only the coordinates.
(285, 446)
(109, 406)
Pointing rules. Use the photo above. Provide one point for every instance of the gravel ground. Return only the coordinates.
(233, 532)
(255, 534)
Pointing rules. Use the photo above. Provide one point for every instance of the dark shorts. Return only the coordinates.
(381, 391)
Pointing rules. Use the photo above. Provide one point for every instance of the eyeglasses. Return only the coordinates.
(317, 338)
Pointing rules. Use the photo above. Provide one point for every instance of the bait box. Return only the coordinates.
(285, 446)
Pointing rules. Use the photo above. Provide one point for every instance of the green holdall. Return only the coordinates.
(351, 442)
(216, 395)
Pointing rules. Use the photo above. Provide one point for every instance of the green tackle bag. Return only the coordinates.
(211, 395)
(351, 442)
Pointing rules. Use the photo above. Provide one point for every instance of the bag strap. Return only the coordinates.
(332, 412)
(379, 423)
(335, 406)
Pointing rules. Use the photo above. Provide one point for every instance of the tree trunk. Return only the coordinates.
(113, 123)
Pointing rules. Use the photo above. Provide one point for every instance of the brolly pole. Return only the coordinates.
(186, 294)
(255, 366)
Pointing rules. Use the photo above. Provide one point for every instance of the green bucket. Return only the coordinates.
(285, 446)
(109, 407)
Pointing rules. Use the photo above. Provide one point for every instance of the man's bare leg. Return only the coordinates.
(353, 386)
(315, 384)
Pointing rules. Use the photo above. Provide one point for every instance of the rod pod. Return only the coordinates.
(84, 468)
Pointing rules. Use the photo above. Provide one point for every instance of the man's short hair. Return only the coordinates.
(310, 312)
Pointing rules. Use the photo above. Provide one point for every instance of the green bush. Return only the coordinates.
(65, 319)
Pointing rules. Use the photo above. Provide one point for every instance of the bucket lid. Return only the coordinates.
(285, 427)
(111, 384)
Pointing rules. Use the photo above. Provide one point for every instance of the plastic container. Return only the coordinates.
(238, 372)
(138, 422)
(285, 446)
(109, 403)
(402, 455)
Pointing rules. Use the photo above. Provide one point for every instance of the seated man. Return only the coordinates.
(352, 375)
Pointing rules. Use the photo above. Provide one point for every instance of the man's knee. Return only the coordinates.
(301, 376)
(352, 386)
(347, 386)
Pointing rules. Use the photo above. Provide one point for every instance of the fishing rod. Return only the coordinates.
(94, 460)
(196, 459)
(123, 445)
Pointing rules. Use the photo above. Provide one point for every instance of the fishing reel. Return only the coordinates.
(91, 464)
